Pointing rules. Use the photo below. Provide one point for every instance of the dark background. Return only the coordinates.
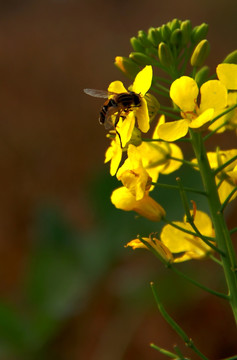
(68, 288)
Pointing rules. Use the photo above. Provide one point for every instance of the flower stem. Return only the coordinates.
(163, 351)
(174, 325)
(175, 187)
(223, 239)
(196, 283)
(221, 167)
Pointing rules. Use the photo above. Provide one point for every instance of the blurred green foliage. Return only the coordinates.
(65, 267)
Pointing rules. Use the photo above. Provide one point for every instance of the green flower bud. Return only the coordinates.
(200, 53)
(137, 45)
(176, 37)
(165, 32)
(153, 105)
(174, 24)
(154, 36)
(136, 138)
(199, 33)
(231, 58)
(142, 59)
(202, 75)
(165, 55)
(142, 36)
(186, 28)
(127, 66)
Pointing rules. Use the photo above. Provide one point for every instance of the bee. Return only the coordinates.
(119, 104)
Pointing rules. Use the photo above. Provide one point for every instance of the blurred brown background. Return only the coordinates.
(52, 147)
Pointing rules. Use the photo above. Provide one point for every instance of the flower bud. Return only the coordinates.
(137, 45)
(165, 32)
(136, 138)
(154, 36)
(186, 28)
(142, 59)
(199, 33)
(202, 75)
(153, 105)
(200, 53)
(231, 58)
(165, 55)
(176, 37)
(127, 66)
(142, 36)
(174, 24)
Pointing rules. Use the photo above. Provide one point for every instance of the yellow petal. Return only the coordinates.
(203, 223)
(227, 74)
(123, 199)
(156, 244)
(172, 165)
(213, 95)
(126, 128)
(173, 130)
(142, 82)
(142, 116)
(184, 92)
(117, 87)
(160, 121)
(202, 119)
(147, 207)
(179, 242)
(225, 189)
(114, 155)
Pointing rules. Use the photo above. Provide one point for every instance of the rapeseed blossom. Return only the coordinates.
(227, 74)
(184, 92)
(227, 178)
(186, 246)
(147, 207)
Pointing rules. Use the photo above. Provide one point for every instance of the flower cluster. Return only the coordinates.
(200, 106)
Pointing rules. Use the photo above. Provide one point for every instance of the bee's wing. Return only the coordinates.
(112, 117)
(98, 93)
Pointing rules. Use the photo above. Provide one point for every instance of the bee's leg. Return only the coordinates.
(119, 138)
(115, 124)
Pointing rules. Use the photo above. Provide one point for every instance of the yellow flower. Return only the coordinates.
(147, 207)
(228, 176)
(187, 246)
(227, 74)
(114, 155)
(156, 244)
(184, 93)
(156, 156)
(141, 85)
(133, 175)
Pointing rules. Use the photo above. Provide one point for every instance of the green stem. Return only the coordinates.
(213, 258)
(160, 92)
(175, 187)
(223, 239)
(189, 232)
(215, 130)
(223, 113)
(221, 167)
(166, 113)
(175, 326)
(225, 203)
(186, 162)
(196, 283)
(232, 231)
(163, 351)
